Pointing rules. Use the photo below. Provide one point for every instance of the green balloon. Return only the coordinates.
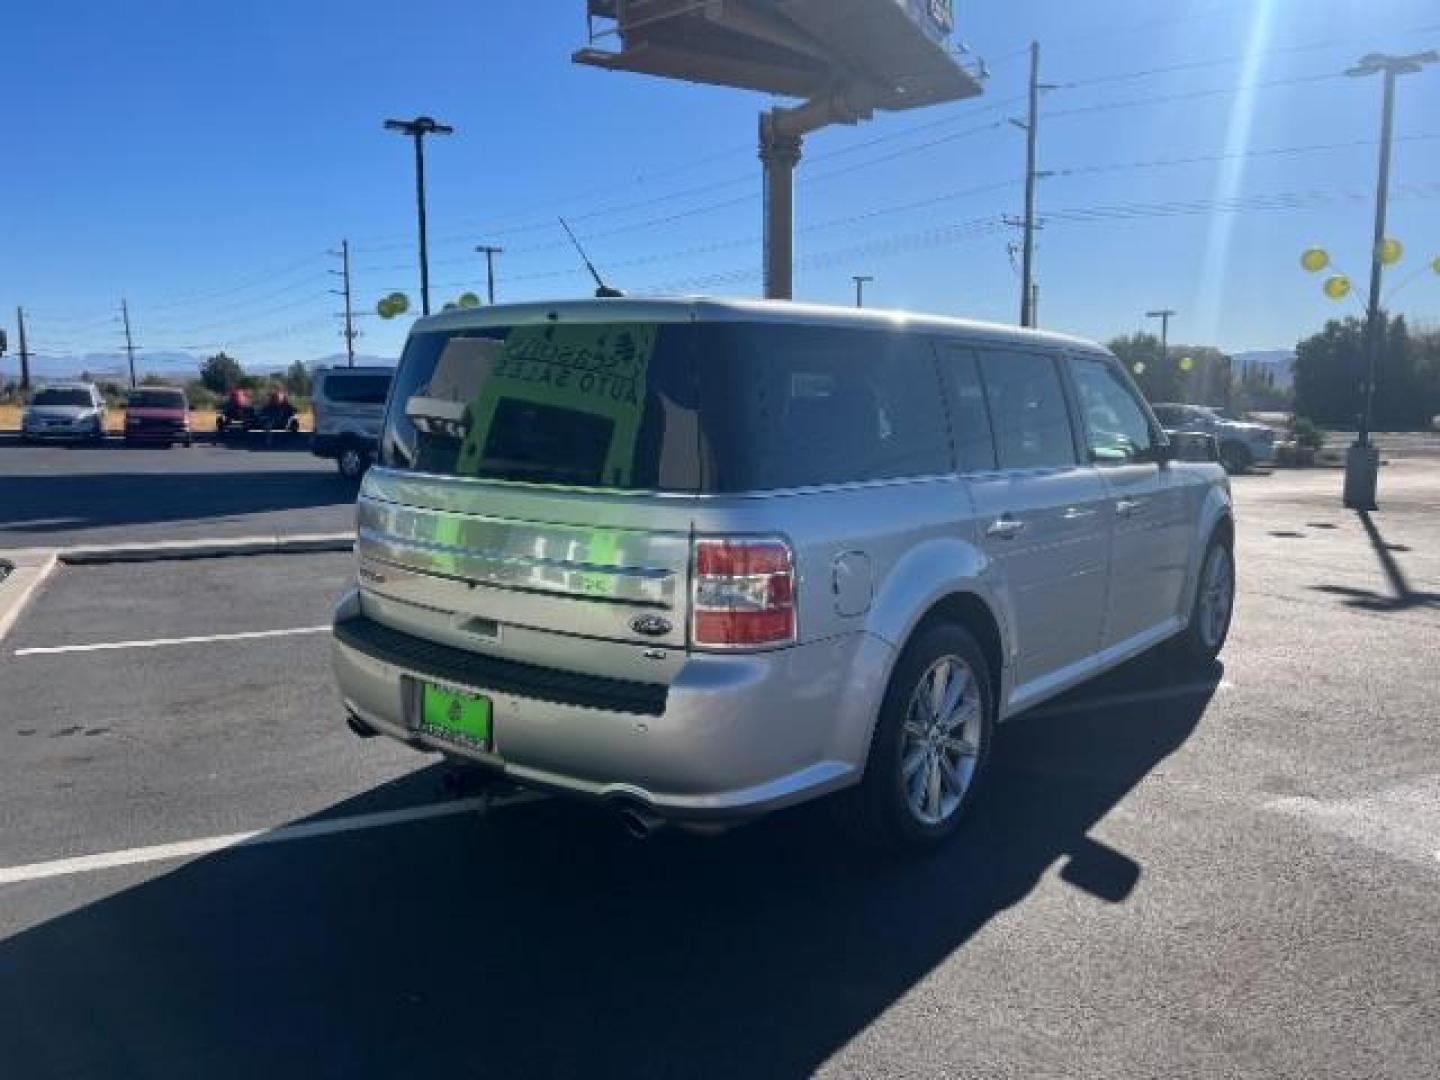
(399, 302)
(468, 300)
(385, 308)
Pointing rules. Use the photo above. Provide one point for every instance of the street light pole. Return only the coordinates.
(861, 280)
(1362, 462)
(417, 129)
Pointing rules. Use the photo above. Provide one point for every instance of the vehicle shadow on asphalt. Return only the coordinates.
(45, 504)
(545, 942)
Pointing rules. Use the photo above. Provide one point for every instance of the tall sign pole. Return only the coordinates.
(1362, 461)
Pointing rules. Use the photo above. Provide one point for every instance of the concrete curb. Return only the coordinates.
(30, 569)
(169, 551)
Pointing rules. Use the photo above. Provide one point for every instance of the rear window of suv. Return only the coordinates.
(682, 407)
(356, 389)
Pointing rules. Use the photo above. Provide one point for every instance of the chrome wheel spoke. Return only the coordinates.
(914, 758)
(932, 789)
(953, 744)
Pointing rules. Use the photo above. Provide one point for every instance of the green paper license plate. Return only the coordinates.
(458, 716)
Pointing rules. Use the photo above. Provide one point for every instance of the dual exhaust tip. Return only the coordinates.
(636, 818)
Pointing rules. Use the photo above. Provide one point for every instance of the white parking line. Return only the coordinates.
(155, 643)
(185, 849)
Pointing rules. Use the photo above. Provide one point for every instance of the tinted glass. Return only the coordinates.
(1116, 427)
(156, 399)
(1027, 409)
(357, 389)
(794, 406)
(597, 405)
(63, 398)
(1168, 414)
(969, 418)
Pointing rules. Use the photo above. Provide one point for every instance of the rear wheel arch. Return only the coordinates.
(970, 611)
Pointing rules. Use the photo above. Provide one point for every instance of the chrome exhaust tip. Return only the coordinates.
(638, 820)
(359, 727)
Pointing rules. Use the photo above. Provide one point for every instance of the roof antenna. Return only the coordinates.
(602, 291)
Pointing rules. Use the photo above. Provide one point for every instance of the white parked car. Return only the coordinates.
(1241, 442)
(72, 411)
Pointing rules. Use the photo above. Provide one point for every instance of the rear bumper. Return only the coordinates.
(731, 737)
(57, 435)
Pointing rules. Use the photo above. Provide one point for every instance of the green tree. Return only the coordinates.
(1159, 376)
(221, 373)
(1210, 379)
(1330, 368)
(298, 380)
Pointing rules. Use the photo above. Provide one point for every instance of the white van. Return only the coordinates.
(349, 407)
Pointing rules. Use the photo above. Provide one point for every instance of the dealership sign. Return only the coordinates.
(936, 17)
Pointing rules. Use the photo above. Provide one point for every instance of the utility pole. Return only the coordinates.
(129, 343)
(1363, 460)
(1034, 303)
(490, 251)
(349, 333)
(1164, 315)
(24, 349)
(417, 129)
(861, 280)
(1027, 268)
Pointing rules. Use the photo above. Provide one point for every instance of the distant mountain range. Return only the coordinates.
(1279, 361)
(178, 366)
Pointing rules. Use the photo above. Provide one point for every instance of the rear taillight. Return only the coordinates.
(744, 593)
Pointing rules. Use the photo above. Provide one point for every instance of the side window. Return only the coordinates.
(1117, 430)
(1027, 409)
(797, 406)
(969, 418)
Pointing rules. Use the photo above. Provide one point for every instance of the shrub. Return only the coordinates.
(1306, 433)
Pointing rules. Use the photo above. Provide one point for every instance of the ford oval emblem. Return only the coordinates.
(651, 625)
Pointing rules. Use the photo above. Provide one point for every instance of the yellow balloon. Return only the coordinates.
(1314, 260)
(1337, 287)
(1186, 363)
(1436, 264)
(1390, 251)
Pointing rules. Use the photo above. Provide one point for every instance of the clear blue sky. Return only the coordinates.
(201, 157)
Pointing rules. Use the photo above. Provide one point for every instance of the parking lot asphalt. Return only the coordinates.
(58, 495)
(1226, 873)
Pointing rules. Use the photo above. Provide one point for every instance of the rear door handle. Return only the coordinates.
(1128, 507)
(1005, 528)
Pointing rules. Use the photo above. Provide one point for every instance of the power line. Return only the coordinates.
(202, 297)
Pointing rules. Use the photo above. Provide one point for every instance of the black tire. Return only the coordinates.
(352, 460)
(878, 812)
(1203, 639)
(1235, 457)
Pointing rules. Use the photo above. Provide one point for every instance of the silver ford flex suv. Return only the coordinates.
(700, 560)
